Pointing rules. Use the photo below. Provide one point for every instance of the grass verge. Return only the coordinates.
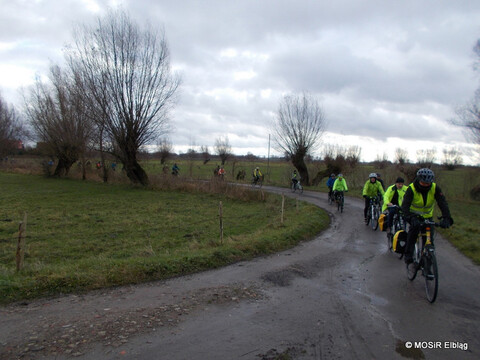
(84, 235)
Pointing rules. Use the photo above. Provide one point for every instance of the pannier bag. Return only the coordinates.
(399, 241)
(382, 222)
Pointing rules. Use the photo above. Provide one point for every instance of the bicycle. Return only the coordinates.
(373, 213)
(297, 186)
(398, 223)
(424, 259)
(339, 200)
(257, 180)
(331, 198)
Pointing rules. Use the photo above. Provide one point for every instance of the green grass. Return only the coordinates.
(90, 235)
(465, 234)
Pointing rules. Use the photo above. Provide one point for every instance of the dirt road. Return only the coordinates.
(339, 296)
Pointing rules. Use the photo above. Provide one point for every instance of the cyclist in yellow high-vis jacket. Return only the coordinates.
(418, 203)
(393, 196)
(371, 189)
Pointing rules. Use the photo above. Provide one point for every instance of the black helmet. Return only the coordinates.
(425, 175)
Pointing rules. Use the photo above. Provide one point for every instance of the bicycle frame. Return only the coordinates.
(373, 213)
(340, 200)
(425, 260)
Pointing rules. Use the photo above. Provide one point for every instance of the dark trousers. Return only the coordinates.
(391, 213)
(367, 203)
(412, 236)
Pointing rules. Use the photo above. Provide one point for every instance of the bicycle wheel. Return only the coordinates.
(413, 267)
(369, 215)
(342, 202)
(300, 188)
(374, 221)
(430, 269)
(293, 187)
(330, 200)
(390, 241)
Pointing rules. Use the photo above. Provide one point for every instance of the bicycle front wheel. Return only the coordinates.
(413, 267)
(374, 221)
(430, 269)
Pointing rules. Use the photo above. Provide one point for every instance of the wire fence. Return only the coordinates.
(220, 220)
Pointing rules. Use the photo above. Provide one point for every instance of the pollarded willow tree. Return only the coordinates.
(298, 128)
(56, 113)
(125, 74)
(12, 129)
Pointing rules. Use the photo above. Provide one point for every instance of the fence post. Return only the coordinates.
(22, 232)
(283, 207)
(220, 213)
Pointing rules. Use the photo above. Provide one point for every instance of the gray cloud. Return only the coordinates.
(376, 65)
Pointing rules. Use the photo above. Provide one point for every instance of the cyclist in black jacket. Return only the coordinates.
(419, 202)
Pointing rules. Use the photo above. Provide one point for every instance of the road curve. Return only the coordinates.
(341, 295)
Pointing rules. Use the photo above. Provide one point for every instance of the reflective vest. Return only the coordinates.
(418, 206)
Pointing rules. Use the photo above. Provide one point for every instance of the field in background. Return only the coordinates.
(89, 235)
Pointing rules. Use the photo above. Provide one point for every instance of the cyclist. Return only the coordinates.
(175, 169)
(295, 177)
(257, 174)
(339, 185)
(370, 190)
(379, 179)
(418, 203)
(393, 196)
(330, 182)
(221, 172)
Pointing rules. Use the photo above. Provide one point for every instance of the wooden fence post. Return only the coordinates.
(22, 232)
(220, 213)
(283, 207)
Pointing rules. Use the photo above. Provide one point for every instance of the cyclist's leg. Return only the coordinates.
(410, 246)
(365, 209)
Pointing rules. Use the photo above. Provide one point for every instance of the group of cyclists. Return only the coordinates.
(415, 202)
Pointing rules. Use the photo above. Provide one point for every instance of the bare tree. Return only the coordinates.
(56, 114)
(299, 125)
(401, 156)
(125, 71)
(12, 129)
(223, 148)
(353, 153)
(451, 158)
(468, 117)
(205, 154)
(426, 157)
(164, 149)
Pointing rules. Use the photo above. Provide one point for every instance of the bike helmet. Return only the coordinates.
(340, 175)
(425, 175)
(372, 175)
(332, 174)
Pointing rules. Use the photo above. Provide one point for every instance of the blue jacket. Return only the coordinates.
(330, 182)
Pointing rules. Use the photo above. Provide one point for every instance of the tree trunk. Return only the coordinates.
(298, 160)
(135, 172)
(63, 166)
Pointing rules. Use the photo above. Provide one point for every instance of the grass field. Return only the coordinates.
(89, 235)
(455, 184)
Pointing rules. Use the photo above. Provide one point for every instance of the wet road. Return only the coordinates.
(339, 296)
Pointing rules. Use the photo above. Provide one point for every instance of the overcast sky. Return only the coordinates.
(388, 73)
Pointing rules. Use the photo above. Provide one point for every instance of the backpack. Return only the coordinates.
(382, 222)
(399, 241)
